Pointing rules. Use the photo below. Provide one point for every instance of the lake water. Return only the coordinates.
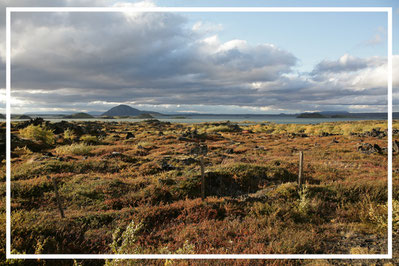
(215, 118)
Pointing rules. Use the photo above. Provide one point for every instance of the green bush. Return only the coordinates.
(38, 133)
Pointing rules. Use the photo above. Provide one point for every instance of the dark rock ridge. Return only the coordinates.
(79, 116)
(37, 121)
(297, 135)
(25, 117)
(311, 115)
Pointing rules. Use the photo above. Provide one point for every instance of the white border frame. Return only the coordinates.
(10, 10)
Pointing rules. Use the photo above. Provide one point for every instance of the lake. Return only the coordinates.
(233, 118)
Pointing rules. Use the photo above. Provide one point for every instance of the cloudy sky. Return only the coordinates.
(199, 62)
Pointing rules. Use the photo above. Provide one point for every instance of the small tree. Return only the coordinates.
(38, 133)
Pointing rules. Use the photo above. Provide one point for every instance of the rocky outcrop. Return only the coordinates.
(375, 133)
(36, 121)
(297, 135)
(368, 148)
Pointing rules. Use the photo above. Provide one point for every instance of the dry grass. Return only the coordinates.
(253, 204)
(74, 149)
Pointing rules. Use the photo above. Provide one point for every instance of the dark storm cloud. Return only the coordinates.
(146, 56)
(78, 60)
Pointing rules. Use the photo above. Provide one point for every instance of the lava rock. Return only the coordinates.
(129, 135)
(368, 148)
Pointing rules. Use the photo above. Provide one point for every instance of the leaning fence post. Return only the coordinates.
(201, 150)
(57, 196)
(201, 160)
(300, 172)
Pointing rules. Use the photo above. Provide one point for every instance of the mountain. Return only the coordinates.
(122, 110)
(125, 110)
(78, 116)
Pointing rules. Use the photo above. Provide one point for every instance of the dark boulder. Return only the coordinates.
(368, 148)
(129, 135)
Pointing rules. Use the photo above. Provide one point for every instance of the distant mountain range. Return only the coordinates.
(126, 111)
(342, 114)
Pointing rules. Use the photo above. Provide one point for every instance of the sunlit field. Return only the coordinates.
(135, 188)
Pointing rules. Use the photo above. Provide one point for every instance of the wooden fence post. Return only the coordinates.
(300, 173)
(201, 160)
(57, 196)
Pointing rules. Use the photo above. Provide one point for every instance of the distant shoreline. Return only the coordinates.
(246, 119)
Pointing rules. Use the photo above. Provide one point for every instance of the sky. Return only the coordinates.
(199, 62)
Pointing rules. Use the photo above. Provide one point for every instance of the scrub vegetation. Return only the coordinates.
(135, 188)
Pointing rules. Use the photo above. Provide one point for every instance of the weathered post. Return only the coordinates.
(201, 160)
(200, 150)
(57, 196)
(300, 172)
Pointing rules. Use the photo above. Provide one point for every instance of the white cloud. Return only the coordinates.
(346, 63)
(157, 60)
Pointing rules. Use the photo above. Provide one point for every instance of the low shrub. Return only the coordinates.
(89, 139)
(38, 133)
(69, 135)
(74, 149)
(22, 151)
